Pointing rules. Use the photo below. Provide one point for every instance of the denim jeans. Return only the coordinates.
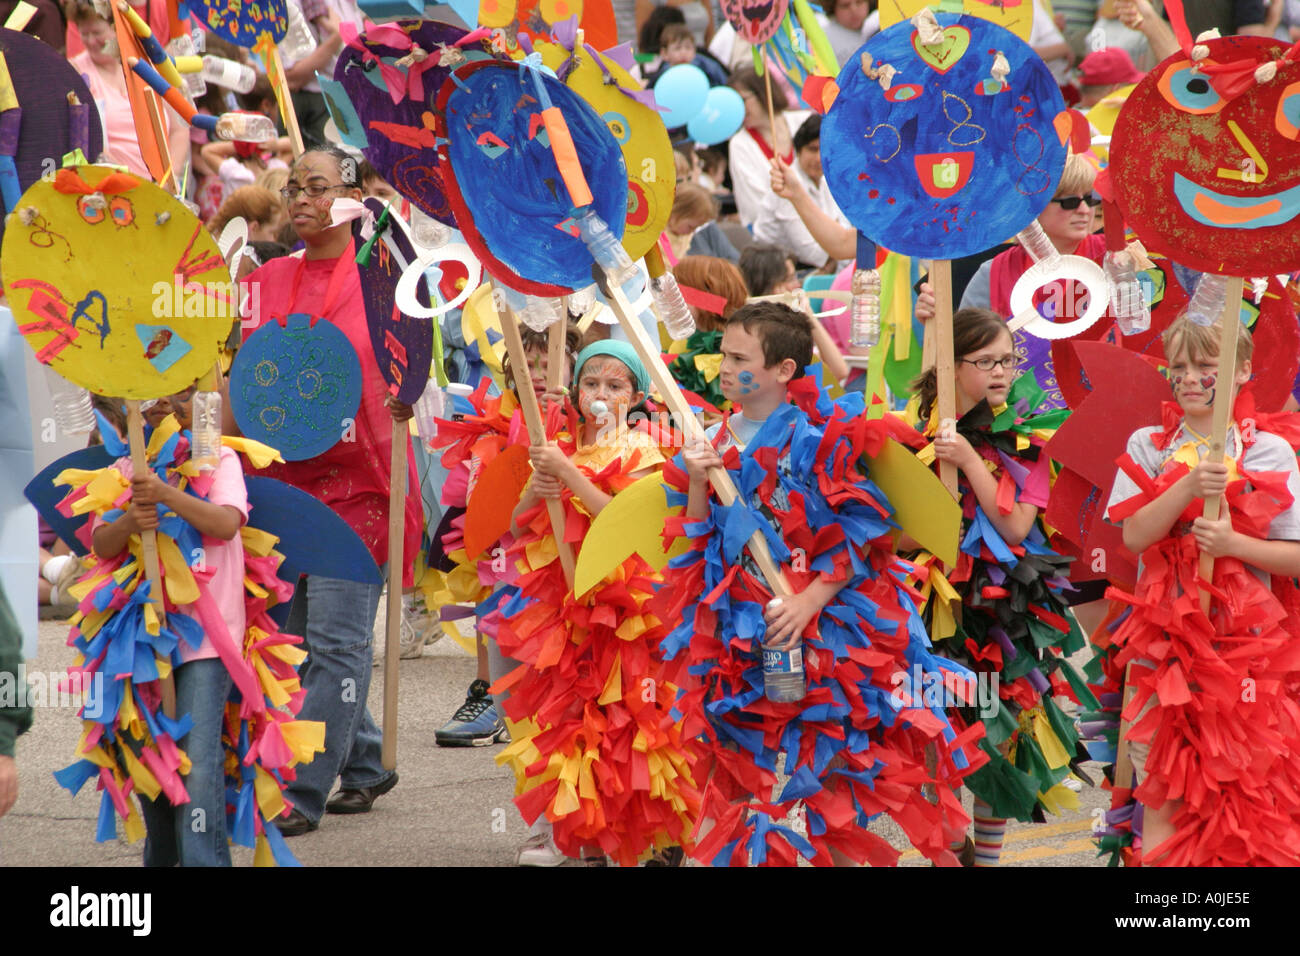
(336, 620)
(194, 834)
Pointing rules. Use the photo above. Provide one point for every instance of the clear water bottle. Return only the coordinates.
(783, 676)
(864, 329)
(582, 301)
(298, 41)
(542, 312)
(205, 429)
(245, 127)
(233, 76)
(187, 44)
(1037, 243)
(606, 249)
(73, 411)
(428, 409)
(427, 232)
(1208, 300)
(1127, 303)
(672, 308)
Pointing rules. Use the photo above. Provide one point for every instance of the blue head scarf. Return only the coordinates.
(622, 351)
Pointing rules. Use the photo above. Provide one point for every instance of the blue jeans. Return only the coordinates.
(194, 834)
(336, 620)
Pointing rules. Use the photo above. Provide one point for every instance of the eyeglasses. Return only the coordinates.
(314, 191)
(1071, 203)
(986, 364)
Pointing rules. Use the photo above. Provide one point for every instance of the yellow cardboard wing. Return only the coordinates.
(632, 523)
(923, 507)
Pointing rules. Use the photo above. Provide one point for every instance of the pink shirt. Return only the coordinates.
(225, 559)
(121, 144)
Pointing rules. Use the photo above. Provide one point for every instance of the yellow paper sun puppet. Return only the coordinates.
(115, 284)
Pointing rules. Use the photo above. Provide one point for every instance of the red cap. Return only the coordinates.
(1107, 67)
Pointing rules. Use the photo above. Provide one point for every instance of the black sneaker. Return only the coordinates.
(475, 724)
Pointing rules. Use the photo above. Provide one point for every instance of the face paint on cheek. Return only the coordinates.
(746, 380)
(1208, 384)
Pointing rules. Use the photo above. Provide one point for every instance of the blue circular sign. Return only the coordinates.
(961, 151)
(296, 387)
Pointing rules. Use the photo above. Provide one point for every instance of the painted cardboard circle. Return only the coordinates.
(1209, 180)
(640, 134)
(399, 135)
(917, 168)
(503, 182)
(131, 300)
(756, 21)
(244, 22)
(42, 81)
(293, 387)
(1018, 18)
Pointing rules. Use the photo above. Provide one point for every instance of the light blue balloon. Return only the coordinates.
(681, 91)
(720, 119)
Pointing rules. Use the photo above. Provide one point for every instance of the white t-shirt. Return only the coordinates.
(751, 179)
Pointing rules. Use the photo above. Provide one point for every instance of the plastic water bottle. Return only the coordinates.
(542, 312)
(73, 411)
(1037, 243)
(864, 329)
(427, 232)
(457, 390)
(428, 409)
(606, 249)
(672, 308)
(187, 44)
(205, 428)
(233, 76)
(783, 676)
(298, 41)
(1208, 300)
(245, 127)
(582, 301)
(1127, 303)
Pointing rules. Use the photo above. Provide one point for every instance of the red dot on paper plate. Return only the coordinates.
(890, 200)
(875, 193)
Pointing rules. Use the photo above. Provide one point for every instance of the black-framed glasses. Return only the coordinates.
(314, 191)
(1009, 363)
(1071, 203)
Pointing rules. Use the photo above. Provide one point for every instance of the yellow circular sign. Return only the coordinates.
(1014, 15)
(115, 284)
(640, 133)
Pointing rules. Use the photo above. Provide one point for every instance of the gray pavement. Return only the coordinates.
(452, 807)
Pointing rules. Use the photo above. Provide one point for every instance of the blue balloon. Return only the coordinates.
(720, 119)
(681, 91)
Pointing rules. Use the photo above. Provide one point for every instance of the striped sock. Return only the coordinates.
(989, 831)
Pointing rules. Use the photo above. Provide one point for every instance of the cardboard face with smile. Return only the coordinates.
(755, 20)
(1209, 178)
(913, 166)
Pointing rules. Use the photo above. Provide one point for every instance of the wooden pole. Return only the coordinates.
(536, 426)
(672, 395)
(270, 54)
(1222, 410)
(393, 612)
(771, 113)
(149, 543)
(555, 341)
(944, 360)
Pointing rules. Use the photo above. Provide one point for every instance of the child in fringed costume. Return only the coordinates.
(226, 756)
(855, 747)
(1012, 626)
(1214, 733)
(602, 756)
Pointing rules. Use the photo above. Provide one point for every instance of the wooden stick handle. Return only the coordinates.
(555, 341)
(1123, 757)
(149, 542)
(393, 612)
(681, 411)
(283, 97)
(536, 426)
(1223, 398)
(944, 360)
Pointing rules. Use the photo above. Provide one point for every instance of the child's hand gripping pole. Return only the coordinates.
(533, 416)
(940, 328)
(1222, 411)
(149, 549)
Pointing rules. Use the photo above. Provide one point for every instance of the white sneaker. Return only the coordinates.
(1073, 783)
(540, 849)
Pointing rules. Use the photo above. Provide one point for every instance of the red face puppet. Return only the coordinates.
(1205, 159)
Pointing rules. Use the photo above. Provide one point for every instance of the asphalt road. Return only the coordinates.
(452, 807)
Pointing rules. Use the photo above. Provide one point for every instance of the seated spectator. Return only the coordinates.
(238, 163)
(260, 208)
(780, 222)
(768, 270)
(677, 46)
(751, 149)
(692, 228)
(850, 24)
(1102, 73)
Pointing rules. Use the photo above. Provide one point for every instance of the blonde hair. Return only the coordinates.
(272, 179)
(1202, 341)
(1077, 178)
(693, 202)
(253, 203)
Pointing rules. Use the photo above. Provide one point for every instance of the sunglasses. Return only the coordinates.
(1071, 203)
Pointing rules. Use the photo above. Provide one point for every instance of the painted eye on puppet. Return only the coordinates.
(120, 208)
(91, 209)
(903, 92)
(1287, 119)
(1190, 91)
(618, 127)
